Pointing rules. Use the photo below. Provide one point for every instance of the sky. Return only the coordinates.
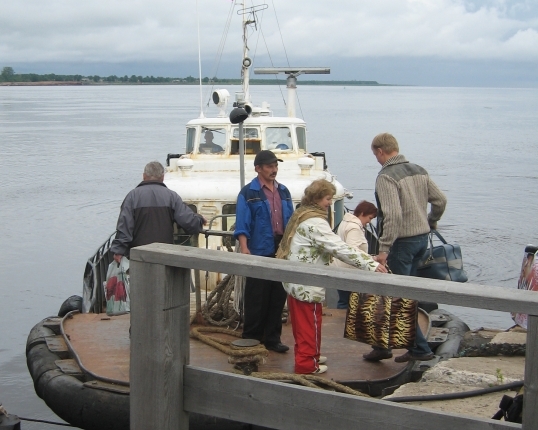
(491, 43)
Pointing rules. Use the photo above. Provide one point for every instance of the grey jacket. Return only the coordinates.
(148, 214)
(403, 191)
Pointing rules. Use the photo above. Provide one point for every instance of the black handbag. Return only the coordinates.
(442, 261)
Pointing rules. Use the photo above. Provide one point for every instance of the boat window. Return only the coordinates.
(248, 133)
(228, 222)
(180, 236)
(191, 134)
(279, 139)
(212, 141)
(301, 138)
(252, 140)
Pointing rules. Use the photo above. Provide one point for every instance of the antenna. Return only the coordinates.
(199, 63)
(292, 73)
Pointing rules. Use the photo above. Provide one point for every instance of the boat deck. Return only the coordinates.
(102, 345)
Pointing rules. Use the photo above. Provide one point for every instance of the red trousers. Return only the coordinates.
(306, 326)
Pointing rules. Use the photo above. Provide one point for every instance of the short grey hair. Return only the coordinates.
(154, 170)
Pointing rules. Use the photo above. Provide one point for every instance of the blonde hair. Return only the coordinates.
(386, 142)
(316, 191)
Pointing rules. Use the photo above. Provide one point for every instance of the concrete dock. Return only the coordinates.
(471, 373)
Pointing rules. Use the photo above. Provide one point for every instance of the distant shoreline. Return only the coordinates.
(219, 83)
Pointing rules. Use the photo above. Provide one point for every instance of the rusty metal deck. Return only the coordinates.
(102, 346)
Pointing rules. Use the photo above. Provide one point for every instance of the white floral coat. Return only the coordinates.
(314, 242)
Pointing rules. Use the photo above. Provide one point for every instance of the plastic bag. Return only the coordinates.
(117, 288)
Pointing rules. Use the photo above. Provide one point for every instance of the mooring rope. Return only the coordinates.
(219, 310)
(257, 354)
(252, 354)
(305, 380)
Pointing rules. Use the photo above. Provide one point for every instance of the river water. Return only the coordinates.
(70, 154)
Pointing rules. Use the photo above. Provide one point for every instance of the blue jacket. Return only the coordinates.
(253, 217)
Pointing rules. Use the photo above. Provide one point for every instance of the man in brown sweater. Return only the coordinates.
(403, 191)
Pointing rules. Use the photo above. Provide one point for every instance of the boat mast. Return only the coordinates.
(245, 65)
(199, 63)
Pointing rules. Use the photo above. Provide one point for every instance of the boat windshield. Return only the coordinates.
(252, 140)
(278, 138)
(212, 141)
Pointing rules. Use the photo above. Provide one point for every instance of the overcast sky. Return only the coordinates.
(418, 42)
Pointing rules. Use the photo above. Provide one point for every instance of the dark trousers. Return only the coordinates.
(263, 302)
(403, 259)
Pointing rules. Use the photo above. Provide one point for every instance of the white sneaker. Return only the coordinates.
(322, 359)
(321, 369)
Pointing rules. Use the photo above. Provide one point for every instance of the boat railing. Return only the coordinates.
(96, 268)
(94, 276)
(160, 346)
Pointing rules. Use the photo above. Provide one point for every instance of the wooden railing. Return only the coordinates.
(164, 388)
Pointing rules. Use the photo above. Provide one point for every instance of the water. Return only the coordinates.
(70, 154)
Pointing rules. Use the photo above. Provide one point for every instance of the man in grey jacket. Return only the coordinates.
(148, 214)
(403, 191)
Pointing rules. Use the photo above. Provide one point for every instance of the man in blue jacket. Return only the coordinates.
(264, 207)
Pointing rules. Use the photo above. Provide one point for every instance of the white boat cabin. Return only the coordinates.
(207, 176)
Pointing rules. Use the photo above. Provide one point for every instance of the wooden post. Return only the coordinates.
(160, 308)
(530, 396)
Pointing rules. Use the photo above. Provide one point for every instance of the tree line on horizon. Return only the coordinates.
(9, 75)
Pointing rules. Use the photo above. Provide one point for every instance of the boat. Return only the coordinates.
(79, 360)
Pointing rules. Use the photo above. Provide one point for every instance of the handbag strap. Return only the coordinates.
(430, 237)
(441, 238)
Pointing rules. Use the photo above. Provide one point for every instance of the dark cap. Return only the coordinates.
(265, 157)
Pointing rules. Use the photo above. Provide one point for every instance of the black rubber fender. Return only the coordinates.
(73, 303)
(37, 335)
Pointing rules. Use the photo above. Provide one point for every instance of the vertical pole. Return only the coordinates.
(292, 94)
(244, 69)
(241, 155)
(199, 62)
(197, 282)
(160, 302)
(530, 396)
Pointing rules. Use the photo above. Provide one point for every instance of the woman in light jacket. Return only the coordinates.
(309, 239)
(352, 231)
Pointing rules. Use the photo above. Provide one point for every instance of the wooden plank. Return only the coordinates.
(57, 345)
(530, 397)
(160, 299)
(69, 367)
(430, 290)
(284, 406)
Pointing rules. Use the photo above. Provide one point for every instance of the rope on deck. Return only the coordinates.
(219, 310)
(307, 381)
(254, 354)
(257, 354)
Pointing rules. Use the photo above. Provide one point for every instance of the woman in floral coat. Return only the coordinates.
(309, 239)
